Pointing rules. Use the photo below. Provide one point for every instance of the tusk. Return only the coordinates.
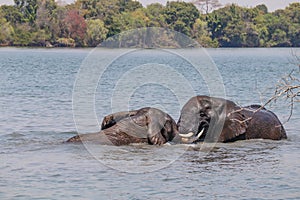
(200, 133)
(187, 135)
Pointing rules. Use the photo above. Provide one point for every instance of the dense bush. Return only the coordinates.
(89, 22)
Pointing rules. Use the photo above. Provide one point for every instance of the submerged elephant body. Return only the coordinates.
(146, 125)
(263, 124)
(220, 120)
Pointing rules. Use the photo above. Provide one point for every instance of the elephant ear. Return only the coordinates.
(110, 120)
(156, 126)
(235, 127)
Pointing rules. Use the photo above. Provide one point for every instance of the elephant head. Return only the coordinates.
(212, 119)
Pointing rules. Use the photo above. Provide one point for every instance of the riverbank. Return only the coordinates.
(88, 23)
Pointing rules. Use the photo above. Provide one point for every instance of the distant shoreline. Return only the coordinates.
(86, 47)
(47, 24)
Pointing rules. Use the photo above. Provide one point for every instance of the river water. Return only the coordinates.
(37, 116)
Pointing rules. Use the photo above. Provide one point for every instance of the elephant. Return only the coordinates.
(220, 120)
(145, 125)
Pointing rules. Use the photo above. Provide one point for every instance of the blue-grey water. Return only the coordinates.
(37, 115)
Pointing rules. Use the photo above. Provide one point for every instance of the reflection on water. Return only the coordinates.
(36, 117)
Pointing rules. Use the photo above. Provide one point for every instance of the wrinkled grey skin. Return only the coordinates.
(146, 125)
(223, 121)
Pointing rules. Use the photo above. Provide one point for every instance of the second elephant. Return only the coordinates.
(220, 120)
(146, 125)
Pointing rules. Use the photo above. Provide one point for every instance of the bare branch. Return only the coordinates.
(288, 87)
(205, 6)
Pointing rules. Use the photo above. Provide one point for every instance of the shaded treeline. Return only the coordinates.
(89, 22)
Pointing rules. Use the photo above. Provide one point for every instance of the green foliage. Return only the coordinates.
(57, 26)
(180, 16)
(89, 22)
(40, 38)
(133, 20)
(28, 9)
(129, 5)
(262, 8)
(23, 35)
(155, 13)
(12, 14)
(65, 42)
(96, 32)
(6, 32)
(235, 26)
(201, 34)
(45, 19)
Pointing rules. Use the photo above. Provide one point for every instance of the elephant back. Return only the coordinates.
(266, 125)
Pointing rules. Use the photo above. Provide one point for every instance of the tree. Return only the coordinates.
(57, 25)
(109, 12)
(96, 32)
(293, 14)
(201, 34)
(278, 25)
(155, 13)
(23, 35)
(12, 14)
(233, 35)
(6, 31)
(28, 8)
(89, 8)
(205, 6)
(279, 39)
(235, 26)
(226, 26)
(129, 5)
(45, 20)
(252, 36)
(262, 8)
(75, 26)
(44, 13)
(40, 38)
(133, 20)
(36, 22)
(180, 16)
